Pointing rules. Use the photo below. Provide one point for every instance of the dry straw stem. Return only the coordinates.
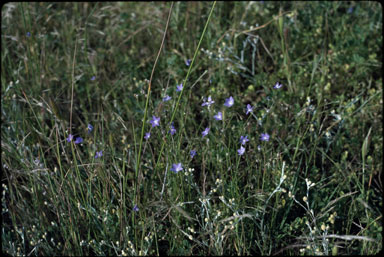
(73, 85)
(333, 202)
(250, 30)
(237, 217)
(149, 91)
(344, 237)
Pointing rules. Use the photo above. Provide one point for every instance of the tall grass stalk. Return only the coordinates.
(186, 79)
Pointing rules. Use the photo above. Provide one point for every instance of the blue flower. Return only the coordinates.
(78, 140)
(208, 102)
(277, 85)
(166, 98)
(70, 138)
(172, 130)
(249, 109)
(93, 78)
(176, 167)
(28, 34)
(229, 101)
(179, 87)
(155, 121)
(205, 132)
(37, 162)
(135, 208)
(350, 9)
(89, 127)
(147, 135)
(188, 62)
(243, 140)
(241, 150)
(98, 154)
(218, 116)
(264, 137)
(192, 153)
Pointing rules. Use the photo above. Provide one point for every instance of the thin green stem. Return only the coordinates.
(185, 80)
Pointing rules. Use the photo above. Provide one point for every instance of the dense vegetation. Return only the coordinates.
(257, 130)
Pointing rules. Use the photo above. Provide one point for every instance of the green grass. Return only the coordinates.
(313, 188)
